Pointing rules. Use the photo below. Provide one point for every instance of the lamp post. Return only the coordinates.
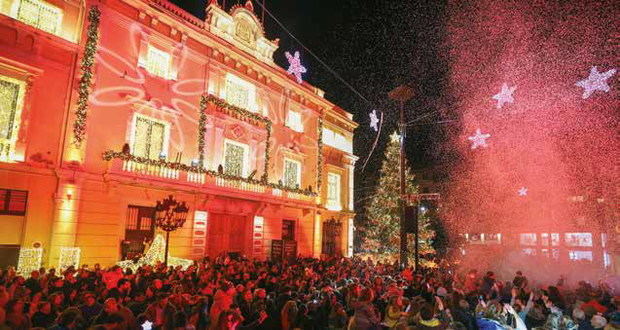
(402, 94)
(170, 215)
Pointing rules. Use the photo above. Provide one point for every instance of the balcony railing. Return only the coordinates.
(176, 173)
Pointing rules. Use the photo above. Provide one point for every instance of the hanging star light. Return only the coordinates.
(596, 81)
(505, 95)
(295, 68)
(374, 120)
(479, 139)
(523, 191)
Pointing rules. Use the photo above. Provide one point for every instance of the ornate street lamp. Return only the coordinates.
(170, 215)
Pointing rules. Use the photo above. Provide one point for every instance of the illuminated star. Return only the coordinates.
(295, 68)
(395, 137)
(595, 81)
(147, 325)
(479, 139)
(523, 191)
(374, 120)
(505, 95)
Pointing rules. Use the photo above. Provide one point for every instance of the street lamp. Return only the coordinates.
(402, 94)
(170, 215)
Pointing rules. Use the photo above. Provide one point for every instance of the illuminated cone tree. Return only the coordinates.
(382, 228)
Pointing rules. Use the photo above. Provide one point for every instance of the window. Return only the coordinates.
(292, 173)
(578, 239)
(40, 14)
(529, 252)
(11, 104)
(139, 228)
(337, 140)
(149, 138)
(580, 255)
(333, 192)
(235, 155)
(13, 202)
(240, 93)
(293, 121)
(528, 239)
(158, 62)
(288, 230)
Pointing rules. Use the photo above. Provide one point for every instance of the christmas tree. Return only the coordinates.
(383, 224)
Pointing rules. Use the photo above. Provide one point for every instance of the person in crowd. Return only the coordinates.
(334, 293)
(90, 308)
(365, 316)
(43, 317)
(15, 316)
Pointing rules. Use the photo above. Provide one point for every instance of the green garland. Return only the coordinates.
(265, 177)
(202, 127)
(109, 155)
(241, 114)
(88, 59)
(319, 159)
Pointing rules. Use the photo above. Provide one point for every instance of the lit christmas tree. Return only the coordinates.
(383, 224)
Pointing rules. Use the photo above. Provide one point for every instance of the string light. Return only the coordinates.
(155, 254)
(69, 256)
(29, 260)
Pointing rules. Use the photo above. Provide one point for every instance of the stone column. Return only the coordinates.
(65, 222)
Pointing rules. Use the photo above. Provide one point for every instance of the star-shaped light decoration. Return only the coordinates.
(505, 95)
(395, 137)
(147, 325)
(523, 191)
(295, 68)
(596, 81)
(374, 120)
(479, 139)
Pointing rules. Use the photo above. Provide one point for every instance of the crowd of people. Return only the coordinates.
(306, 294)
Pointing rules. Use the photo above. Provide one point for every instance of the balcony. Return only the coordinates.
(128, 165)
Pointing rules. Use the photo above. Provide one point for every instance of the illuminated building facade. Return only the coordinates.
(108, 106)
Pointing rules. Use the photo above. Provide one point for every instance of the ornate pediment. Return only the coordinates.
(241, 28)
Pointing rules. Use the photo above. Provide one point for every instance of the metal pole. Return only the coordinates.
(417, 232)
(166, 255)
(403, 233)
(402, 94)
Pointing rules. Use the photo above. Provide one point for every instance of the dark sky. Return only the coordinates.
(375, 45)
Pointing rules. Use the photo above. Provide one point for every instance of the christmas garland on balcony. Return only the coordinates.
(241, 114)
(88, 59)
(202, 127)
(109, 155)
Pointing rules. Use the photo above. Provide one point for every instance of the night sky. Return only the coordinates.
(374, 46)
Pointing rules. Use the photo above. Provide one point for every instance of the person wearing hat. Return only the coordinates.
(614, 321)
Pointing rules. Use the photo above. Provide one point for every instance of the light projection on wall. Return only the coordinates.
(479, 139)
